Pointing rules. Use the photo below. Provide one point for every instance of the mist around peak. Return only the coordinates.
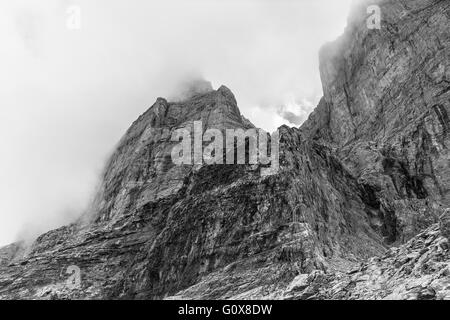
(190, 87)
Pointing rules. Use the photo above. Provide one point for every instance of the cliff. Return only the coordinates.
(359, 207)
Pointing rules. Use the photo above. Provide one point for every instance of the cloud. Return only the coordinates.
(295, 110)
(291, 117)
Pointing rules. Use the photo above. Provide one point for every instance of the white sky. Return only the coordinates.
(67, 96)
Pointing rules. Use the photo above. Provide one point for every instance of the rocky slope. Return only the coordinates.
(358, 208)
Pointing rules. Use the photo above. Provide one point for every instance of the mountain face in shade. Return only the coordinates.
(386, 111)
(359, 207)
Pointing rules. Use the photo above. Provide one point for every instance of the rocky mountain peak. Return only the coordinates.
(189, 88)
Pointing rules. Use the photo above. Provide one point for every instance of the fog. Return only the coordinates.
(68, 95)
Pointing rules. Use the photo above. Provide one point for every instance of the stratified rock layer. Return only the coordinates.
(358, 208)
(386, 111)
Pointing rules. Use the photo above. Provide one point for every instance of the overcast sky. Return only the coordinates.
(67, 96)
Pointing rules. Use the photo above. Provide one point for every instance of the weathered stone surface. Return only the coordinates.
(444, 224)
(357, 210)
(156, 228)
(386, 109)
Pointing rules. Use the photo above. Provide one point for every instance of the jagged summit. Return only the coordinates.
(225, 90)
(215, 108)
(385, 108)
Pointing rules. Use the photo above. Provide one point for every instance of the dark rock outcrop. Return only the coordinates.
(386, 111)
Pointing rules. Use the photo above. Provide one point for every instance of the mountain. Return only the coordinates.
(385, 110)
(359, 208)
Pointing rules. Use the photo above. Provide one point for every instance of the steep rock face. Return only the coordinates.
(368, 169)
(230, 219)
(139, 186)
(157, 228)
(386, 110)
